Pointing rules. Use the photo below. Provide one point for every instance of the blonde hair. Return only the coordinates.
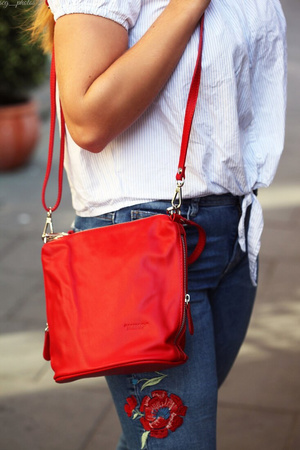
(42, 26)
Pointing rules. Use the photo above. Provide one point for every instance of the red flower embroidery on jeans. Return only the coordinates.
(162, 413)
(130, 405)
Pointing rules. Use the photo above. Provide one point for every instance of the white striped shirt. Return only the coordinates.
(237, 134)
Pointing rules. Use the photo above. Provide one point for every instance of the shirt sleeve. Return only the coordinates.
(268, 73)
(124, 12)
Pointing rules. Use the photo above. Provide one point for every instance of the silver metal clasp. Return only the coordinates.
(48, 232)
(177, 199)
(48, 227)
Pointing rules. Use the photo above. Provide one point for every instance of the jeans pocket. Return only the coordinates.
(143, 214)
(238, 254)
(105, 219)
(86, 223)
(236, 257)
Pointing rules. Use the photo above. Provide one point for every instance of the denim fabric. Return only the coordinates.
(175, 409)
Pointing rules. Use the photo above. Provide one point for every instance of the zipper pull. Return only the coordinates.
(46, 349)
(189, 315)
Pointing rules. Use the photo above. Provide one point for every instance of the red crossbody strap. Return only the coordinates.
(51, 142)
(189, 114)
(190, 108)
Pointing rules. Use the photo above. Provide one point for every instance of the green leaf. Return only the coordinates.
(153, 381)
(144, 439)
(137, 414)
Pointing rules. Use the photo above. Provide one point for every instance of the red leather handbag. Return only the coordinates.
(116, 297)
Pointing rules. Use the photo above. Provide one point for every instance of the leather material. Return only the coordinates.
(115, 298)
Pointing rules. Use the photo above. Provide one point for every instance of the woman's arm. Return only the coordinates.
(103, 86)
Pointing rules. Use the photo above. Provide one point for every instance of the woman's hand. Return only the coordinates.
(103, 86)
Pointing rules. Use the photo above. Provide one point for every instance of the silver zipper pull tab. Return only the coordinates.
(187, 299)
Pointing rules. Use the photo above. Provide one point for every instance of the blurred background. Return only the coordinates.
(259, 404)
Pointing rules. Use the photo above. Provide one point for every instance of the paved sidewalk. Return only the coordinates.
(259, 404)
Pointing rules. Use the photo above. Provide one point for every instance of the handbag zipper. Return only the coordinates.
(187, 309)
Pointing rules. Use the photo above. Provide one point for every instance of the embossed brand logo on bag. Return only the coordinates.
(135, 325)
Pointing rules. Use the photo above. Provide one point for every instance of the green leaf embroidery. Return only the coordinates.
(153, 381)
(144, 439)
(136, 414)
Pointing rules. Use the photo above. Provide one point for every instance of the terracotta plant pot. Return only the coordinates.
(19, 133)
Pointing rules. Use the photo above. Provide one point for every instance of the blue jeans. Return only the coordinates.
(175, 409)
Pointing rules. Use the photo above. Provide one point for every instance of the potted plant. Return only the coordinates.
(23, 67)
